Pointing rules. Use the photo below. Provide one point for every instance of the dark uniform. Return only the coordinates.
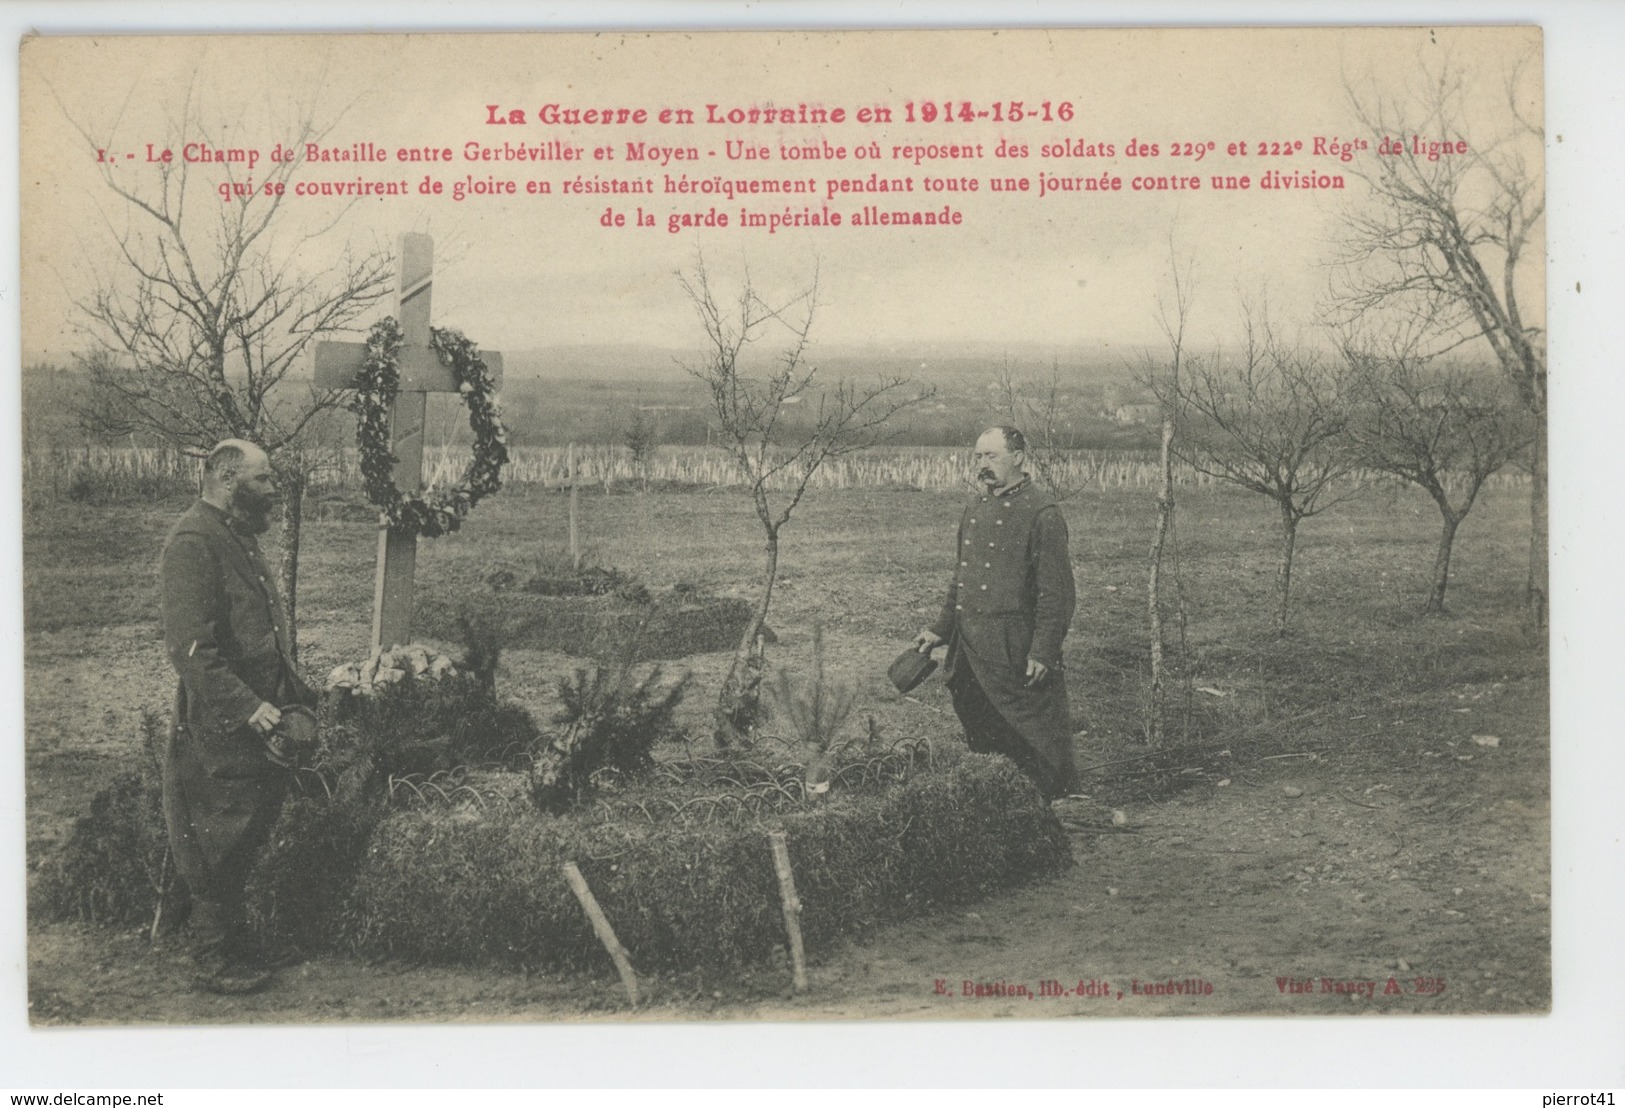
(227, 636)
(1012, 598)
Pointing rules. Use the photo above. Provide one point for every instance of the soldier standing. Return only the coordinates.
(224, 774)
(1007, 612)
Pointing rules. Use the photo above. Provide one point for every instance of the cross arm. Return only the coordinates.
(338, 363)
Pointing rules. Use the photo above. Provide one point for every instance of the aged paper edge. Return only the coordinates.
(1585, 826)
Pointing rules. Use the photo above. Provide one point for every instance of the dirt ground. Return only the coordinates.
(1368, 835)
(1303, 885)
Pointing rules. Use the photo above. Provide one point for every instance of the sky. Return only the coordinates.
(1062, 270)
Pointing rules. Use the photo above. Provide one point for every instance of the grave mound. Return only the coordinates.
(593, 614)
(385, 852)
(689, 885)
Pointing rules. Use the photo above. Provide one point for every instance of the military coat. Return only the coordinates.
(226, 634)
(1011, 598)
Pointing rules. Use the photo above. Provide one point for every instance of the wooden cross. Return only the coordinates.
(338, 364)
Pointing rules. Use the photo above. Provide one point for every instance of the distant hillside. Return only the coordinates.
(49, 397)
(930, 362)
(623, 361)
(567, 394)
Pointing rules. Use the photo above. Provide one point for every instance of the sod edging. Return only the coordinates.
(462, 887)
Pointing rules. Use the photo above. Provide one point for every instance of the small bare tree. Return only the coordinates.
(1039, 408)
(206, 309)
(1451, 243)
(1274, 423)
(1438, 426)
(1173, 323)
(750, 404)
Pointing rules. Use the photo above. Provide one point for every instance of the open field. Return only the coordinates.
(567, 406)
(102, 472)
(1328, 814)
(107, 474)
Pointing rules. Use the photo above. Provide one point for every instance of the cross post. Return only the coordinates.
(337, 365)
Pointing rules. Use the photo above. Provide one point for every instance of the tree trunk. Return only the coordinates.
(1283, 575)
(739, 703)
(1441, 561)
(1535, 595)
(1165, 511)
(293, 509)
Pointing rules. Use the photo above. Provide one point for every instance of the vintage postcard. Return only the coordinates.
(895, 525)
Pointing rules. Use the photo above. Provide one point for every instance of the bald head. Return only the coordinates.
(237, 477)
(232, 456)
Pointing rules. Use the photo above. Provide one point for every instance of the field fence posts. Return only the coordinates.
(602, 928)
(792, 907)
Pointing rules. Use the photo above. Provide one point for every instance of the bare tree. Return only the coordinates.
(1440, 427)
(208, 306)
(1039, 408)
(1273, 422)
(1173, 323)
(1452, 239)
(750, 403)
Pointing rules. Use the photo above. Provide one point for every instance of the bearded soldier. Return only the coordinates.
(227, 636)
(1007, 612)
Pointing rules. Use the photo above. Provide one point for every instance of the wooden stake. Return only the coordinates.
(792, 907)
(163, 895)
(606, 933)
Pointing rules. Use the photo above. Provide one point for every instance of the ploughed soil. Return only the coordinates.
(1357, 821)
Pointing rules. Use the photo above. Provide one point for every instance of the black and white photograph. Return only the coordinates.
(871, 525)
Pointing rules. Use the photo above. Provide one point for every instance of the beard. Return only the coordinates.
(251, 511)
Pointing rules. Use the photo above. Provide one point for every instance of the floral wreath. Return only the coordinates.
(438, 511)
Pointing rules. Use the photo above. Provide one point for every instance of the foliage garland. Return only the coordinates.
(434, 511)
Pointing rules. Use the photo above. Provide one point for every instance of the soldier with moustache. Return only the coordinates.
(226, 634)
(1007, 612)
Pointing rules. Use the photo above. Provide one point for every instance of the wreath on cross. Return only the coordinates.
(431, 512)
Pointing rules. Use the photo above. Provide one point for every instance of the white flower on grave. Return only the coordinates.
(416, 657)
(345, 676)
